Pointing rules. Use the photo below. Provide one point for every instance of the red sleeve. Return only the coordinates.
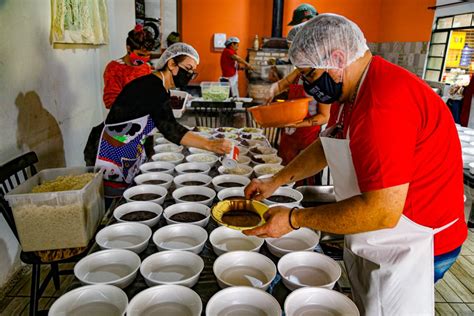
(112, 85)
(382, 141)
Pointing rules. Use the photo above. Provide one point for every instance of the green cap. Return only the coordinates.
(303, 11)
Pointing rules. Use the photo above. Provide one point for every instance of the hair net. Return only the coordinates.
(175, 50)
(322, 35)
(292, 33)
(231, 40)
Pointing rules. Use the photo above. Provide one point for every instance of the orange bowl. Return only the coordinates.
(280, 114)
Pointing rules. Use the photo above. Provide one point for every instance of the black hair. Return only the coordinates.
(140, 38)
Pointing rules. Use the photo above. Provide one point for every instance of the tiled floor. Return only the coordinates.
(454, 294)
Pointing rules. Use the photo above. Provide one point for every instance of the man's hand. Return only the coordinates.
(277, 223)
(260, 189)
(272, 92)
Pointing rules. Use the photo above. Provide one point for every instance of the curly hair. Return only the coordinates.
(140, 38)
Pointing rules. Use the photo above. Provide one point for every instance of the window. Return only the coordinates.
(451, 52)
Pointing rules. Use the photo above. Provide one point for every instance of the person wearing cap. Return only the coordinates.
(134, 64)
(395, 159)
(173, 38)
(304, 12)
(230, 62)
(141, 107)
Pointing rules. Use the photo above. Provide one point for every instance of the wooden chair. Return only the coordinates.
(12, 174)
(213, 114)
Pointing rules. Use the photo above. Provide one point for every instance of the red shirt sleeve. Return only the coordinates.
(382, 141)
(112, 85)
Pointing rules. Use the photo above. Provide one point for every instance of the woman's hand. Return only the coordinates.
(260, 189)
(277, 223)
(272, 92)
(220, 146)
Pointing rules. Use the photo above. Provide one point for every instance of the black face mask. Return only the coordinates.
(182, 78)
(324, 89)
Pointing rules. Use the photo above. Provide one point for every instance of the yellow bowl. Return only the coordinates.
(226, 206)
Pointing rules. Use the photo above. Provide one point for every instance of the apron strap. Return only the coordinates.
(439, 229)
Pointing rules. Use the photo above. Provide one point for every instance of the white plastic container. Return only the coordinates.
(178, 113)
(215, 91)
(57, 220)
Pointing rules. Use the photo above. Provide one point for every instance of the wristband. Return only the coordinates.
(289, 218)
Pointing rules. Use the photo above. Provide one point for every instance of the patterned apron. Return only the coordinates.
(121, 152)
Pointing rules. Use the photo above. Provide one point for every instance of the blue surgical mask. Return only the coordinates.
(324, 89)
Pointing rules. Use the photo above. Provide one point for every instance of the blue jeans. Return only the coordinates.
(443, 262)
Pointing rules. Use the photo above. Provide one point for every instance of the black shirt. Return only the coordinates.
(147, 96)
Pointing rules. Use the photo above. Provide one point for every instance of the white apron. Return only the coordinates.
(234, 84)
(391, 270)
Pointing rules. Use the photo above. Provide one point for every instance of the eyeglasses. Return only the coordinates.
(190, 72)
(306, 77)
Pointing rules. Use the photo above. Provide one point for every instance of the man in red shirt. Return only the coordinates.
(230, 64)
(133, 65)
(395, 158)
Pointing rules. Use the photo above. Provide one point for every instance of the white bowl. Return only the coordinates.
(305, 268)
(113, 266)
(285, 191)
(168, 148)
(157, 166)
(186, 237)
(468, 131)
(172, 267)
(144, 189)
(243, 160)
(229, 178)
(187, 207)
(208, 159)
(170, 299)
(226, 129)
(262, 150)
(290, 185)
(251, 130)
(243, 150)
(241, 170)
(98, 299)
(224, 239)
(253, 142)
(242, 300)
(194, 150)
(267, 159)
(203, 129)
(203, 179)
(161, 141)
(157, 176)
(189, 167)
(230, 192)
(319, 301)
(466, 160)
(468, 150)
(174, 158)
(157, 135)
(139, 206)
(303, 239)
(471, 167)
(178, 194)
(267, 168)
(130, 236)
(244, 268)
